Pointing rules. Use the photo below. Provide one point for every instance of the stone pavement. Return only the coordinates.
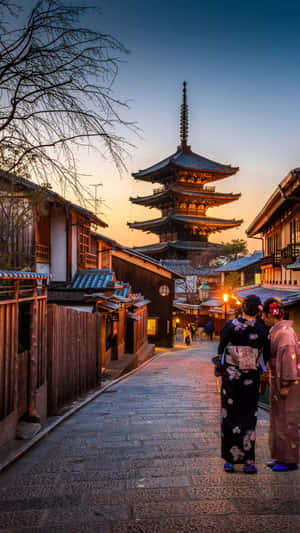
(144, 457)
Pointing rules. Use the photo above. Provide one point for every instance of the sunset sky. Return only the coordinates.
(241, 62)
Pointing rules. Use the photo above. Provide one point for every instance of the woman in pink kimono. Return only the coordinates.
(284, 388)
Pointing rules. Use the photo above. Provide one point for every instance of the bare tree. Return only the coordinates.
(56, 94)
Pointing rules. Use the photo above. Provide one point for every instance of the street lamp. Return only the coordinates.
(225, 298)
(203, 291)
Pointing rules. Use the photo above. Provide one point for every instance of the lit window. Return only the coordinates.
(152, 326)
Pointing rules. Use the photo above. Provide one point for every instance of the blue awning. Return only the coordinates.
(15, 274)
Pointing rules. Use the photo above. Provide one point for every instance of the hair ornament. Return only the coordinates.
(274, 309)
(260, 308)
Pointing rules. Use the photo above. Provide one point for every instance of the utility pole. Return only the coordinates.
(97, 201)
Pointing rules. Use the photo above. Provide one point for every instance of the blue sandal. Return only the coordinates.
(270, 464)
(281, 467)
(250, 469)
(228, 467)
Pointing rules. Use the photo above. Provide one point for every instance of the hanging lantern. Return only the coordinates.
(164, 290)
(203, 291)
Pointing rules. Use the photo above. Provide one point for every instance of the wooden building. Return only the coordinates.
(243, 271)
(183, 197)
(157, 285)
(54, 235)
(150, 278)
(278, 225)
(23, 355)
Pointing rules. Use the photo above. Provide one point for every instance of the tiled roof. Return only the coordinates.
(287, 297)
(93, 279)
(187, 160)
(192, 245)
(178, 245)
(241, 263)
(213, 302)
(52, 196)
(208, 271)
(205, 194)
(15, 274)
(182, 266)
(190, 219)
(124, 292)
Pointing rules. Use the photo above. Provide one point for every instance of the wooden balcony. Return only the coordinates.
(273, 260)
(188, 212)
(289, 253)
(42, 253)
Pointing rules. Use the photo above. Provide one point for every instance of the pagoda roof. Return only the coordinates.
(177, 245)
(157, 223)
(188, 160)
(178, 191)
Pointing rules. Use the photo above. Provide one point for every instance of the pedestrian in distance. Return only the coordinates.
(284, 367)
(187, 335)
(243, 349)
(210, 328)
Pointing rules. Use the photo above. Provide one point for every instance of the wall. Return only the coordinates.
(43, 268)
(58, 244)
(148, 283)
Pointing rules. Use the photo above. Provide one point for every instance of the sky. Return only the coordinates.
(241, 62)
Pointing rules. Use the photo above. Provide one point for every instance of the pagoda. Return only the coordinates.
(183, 198)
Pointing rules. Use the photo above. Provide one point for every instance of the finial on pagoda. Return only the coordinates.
(184, 122)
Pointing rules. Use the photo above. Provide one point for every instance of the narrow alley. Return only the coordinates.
(144, 457)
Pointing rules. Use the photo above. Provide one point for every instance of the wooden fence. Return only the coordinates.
(74, 354)
(140, 328)
(8, 357)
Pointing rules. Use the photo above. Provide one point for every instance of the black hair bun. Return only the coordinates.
(251, 305)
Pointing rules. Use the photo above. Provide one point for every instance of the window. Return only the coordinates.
(84, 243)
(152, 326)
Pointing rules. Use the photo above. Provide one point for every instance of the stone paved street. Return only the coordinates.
(144, 457)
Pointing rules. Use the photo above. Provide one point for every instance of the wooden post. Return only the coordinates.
(33, 356)
(99, 347)
(16, 345)
(103, 339)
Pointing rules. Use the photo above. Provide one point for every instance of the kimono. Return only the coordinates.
(244, 347)
(284, 410)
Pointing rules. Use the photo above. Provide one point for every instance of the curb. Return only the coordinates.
(44, 432)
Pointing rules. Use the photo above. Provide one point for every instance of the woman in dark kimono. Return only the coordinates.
(243, 347)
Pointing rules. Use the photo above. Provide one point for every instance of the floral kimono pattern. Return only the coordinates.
(284, 411)
(240, 390)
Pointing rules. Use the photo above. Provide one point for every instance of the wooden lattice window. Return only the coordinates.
(84, 243)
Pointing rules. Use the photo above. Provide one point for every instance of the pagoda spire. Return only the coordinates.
(184, 121)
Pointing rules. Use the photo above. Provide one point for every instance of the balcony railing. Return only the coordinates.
(289, 253)
(189, 212)
(158, 190)
(42, 253)
(209, 188)
(272, 259)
